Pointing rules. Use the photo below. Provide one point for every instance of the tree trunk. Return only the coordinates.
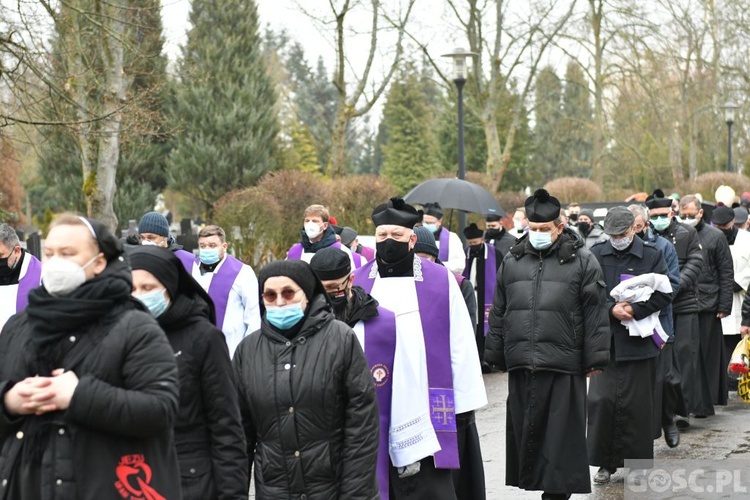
(337, 162)
(494, 152)
(598, 143)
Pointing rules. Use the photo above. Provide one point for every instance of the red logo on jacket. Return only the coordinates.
(133, 478)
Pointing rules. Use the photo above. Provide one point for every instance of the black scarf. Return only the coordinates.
(361, 307)
(55, 318)
(183, 311)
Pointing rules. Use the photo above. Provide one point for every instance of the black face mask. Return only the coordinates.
(392, 251)
(584, 227)
(476, 249)
(340, 304)
(491, 234)
(5, 269)
(641, 234)
(573, 217)
(729, 233)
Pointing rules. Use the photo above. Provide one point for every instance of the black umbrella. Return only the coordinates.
(457, 194)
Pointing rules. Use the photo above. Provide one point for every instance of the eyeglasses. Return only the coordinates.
(339, 288)
(286, 294)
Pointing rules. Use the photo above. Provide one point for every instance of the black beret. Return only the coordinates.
(298, 271)
(541, 207)
(473, 232)
(722, 214)
(396, 212)
(331, 263)
(658, 200)
(433, 209)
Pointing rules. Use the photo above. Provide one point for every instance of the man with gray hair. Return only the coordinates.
(667, 393)
(20, 272)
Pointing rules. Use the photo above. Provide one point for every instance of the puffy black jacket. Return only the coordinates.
(690, 258)
(640, 258)
(549, 310)
(309, 410)
(208, 434)
(118, 426)
(746, 310)
(716, 281)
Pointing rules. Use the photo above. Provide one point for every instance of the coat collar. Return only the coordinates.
(635, 249)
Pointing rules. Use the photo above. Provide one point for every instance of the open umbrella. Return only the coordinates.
(457, 194)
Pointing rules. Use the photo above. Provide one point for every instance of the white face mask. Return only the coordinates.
(148, 243)
(689, 222)
(517, 225)
(61, 276)
(312, 230)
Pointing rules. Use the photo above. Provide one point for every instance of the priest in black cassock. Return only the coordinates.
(496, 235)
(621, 401)
(549, 330)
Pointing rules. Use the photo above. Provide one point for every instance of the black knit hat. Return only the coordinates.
(331, 263)
(433, 209)
(167, 268)
(658, 200)
(396, 212)
(722, 214)
(425, 242)
(473, 232)
(541, 207)
(155, 223)
(298, 271)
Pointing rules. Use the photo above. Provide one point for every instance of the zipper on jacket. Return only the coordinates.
(533, 316)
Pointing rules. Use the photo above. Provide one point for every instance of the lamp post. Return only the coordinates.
(459, 78)
(729, 111)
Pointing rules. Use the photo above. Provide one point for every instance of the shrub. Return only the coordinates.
(570, 189)
(707, 184)
(351, 200)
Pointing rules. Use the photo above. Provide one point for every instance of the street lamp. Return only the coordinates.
(729, 111)
(459, 78)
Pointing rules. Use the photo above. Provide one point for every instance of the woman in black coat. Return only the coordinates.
(88, 379)
(208, 433)
(306, 395)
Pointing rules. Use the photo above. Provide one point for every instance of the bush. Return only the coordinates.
(707, 184)
(351, 200)
(570, 189)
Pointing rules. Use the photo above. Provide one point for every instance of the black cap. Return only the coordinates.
(722, 214)
(331, 263)
(396, 212)
(297, 270)
(336, 229)
(493, 217)
(618, 220)
(425, 242)
(434, 210)
(658, 200)
(473, 232)
(740, 215)
(541, 207)
(347, 235)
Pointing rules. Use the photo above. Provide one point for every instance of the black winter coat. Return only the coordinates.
(309, 410)
(118, 427)
(690, 258)
(716, 281)
(209, 438)
(640, 258)
(549, 311)
(503, 243)
(746, 310)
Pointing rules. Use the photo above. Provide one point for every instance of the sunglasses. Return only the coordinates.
(689, 217)
(286, 294)
(661, 216)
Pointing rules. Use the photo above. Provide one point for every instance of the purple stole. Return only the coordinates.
(30, 280)
(434, 313)
(221, 285)
(490, 282)
(444, 244)
(187, 259)
(359, 260)
(295, 253)
(368, 253)
(380, 349)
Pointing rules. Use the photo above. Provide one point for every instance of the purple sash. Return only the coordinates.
(434, 313)
(444, 244)
(380, 349)
(490, 282)
(368, 253)
(295, 253)
(30, 280)
(359, 260)
(187, 259)
(221, 285)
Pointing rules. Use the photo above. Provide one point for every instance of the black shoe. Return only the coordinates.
(682, 422)
(701, 416)
(671, 435)
(555, 496)
(602, 476)
(486, 367)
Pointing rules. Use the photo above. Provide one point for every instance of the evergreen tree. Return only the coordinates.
(548, 143)
(410, 153)
(577, 123)
(225, 104)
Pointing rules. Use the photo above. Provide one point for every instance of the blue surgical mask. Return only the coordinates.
(209, 256)
(156, 302)
(285, 317)
(540, 240)
(432, 227)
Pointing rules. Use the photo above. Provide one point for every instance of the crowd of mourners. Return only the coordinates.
(135, 369)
